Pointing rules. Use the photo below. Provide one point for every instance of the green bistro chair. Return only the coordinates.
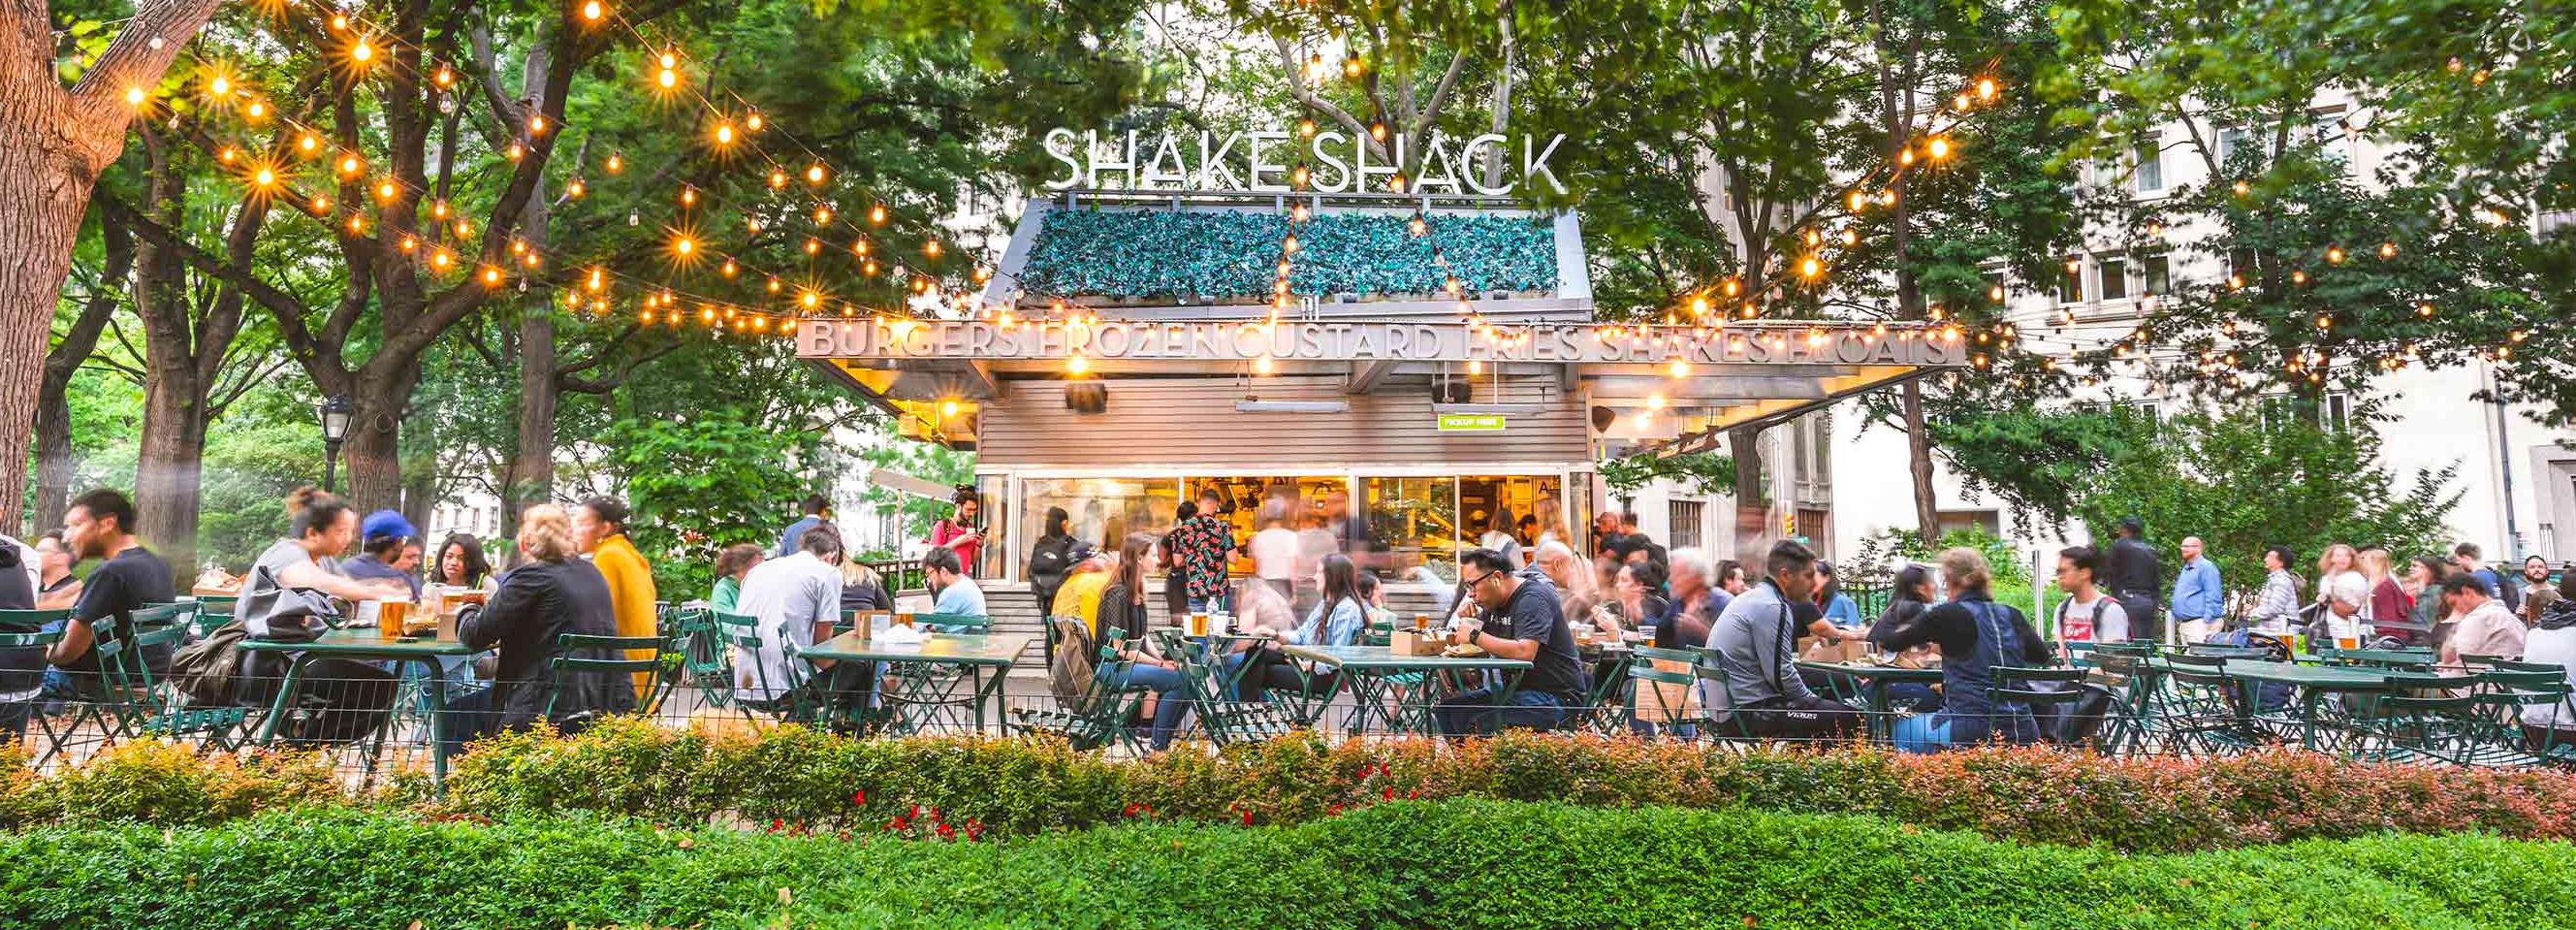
(2421, 718)
(1672, 713)
(962, 624)
(2501, 696)
(2051, 693)
(738, 632)
(2203, 707)
(1227, 719)
(584, 654)
(164, 712)
(1096, 718)
(706, 665)
(2139, 719)
(15, 638)
(1709, 668)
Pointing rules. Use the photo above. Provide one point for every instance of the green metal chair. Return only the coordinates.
(1670, 714)
(2051, 692)
(1094, 719)
(704, 663)
(1227, 719)
(2139, 719)
(580, 654)
(736, 631)
(955, 623)
(2204, 706)
(2421, 718)
(163, 712)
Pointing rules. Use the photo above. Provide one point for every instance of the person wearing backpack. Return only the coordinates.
(1050, 560)
(2088, 614)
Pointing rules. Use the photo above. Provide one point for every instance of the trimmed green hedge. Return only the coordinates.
(1455, 864)
(1235, 254)
(798, 779)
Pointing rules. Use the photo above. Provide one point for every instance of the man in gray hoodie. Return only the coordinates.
(1755, 639)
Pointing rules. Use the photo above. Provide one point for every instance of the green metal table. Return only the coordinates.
(367, 644)
(920, 678)
(2315, 684)
(1874, 680)
(2418, 658)
(1402, 690)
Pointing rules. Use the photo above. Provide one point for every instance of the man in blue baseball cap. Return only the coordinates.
(382, 536)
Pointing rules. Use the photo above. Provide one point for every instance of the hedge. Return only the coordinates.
(1453, 864)
(791, 778)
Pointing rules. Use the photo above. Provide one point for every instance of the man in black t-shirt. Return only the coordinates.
(1522, 619)
(98, 526)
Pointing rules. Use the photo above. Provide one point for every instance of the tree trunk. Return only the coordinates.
(371, 457)
(53, 143)
(53, 399)
(169, 470)
(1918, 447)
(1752, 504)
(532, 465)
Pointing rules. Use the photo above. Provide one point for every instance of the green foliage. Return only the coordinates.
(1701, 472)
(1870, 567)
(148, 781)
(1450, 864)
(698, 484)
(2246, 481)
(2038, 461)
(1234, 254)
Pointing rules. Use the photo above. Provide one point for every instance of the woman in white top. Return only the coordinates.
(2340, 560)
(1498, 537)
(2553, 642)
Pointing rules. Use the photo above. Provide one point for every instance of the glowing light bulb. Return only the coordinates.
(308, 142)
(684, 246)
(814, 173)
(536, 124)
(575, 188)
(877, 214)
(777, 179)
(1986, 88)
(348, 164)
(444, 77)
(362, 52)
(263, 177)
(591, 10)
(752, 121)
(1077, 364)
(255, 111)
(724, 134)
(1811, 267)
(220, 86)
(2388, 250)
(1938, 148)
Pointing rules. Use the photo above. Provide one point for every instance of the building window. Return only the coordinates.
(2330, 411)
(2231, 141)
(2327, 128)
(2151, 167)
(2070, 287)
(2115, 279)
(1988, 522)
(1683, 523)
(2159, 274)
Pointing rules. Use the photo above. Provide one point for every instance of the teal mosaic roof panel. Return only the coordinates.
(1233, 255)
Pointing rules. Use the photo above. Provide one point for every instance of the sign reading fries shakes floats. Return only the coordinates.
(893, 339)
(1260, 161)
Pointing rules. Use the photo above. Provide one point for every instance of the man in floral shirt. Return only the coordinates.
(1202, 544)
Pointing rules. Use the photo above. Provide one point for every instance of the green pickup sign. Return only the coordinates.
(1471, 423)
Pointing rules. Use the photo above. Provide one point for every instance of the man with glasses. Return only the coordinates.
(1520, 619)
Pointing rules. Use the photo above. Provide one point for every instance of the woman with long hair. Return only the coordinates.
(1637, 602)
(1914, 594)
(2424, 577)
(731, 564)
(1975, 635)
(460, 563)
(1840, 609)
(2340, 559)
(1138, 668)
(355, 697)
(1342, 615)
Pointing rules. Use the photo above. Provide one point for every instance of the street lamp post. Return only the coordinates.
(334, 414)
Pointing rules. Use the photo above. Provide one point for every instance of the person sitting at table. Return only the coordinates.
(1138, 666)
(957, 593)
(731, 564)
(56, 587)
(381, 538)
(1635, 605)
(553, 592)
(786, 598)
(1913, 594)
(1754, 639)
(1521, 619)
(2553, 642)
(352, 697)
(1576, 592)
(1838, 608)
(461, 564)
(1339, 618)
(1086, 575)
(1975, 635)
(861, 589)
(2481, 624)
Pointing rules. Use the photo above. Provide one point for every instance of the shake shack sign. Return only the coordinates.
(900, 340)
(1269, 161)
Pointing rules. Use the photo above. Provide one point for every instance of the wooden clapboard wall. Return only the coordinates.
(1184, 422)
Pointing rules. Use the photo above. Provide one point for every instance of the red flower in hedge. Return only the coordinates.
(947, 832)
(974, 829)
(1247, 818)
(1333, 811)
(776, 825)
(1132, 808)
(1390, 792)
(859, 798)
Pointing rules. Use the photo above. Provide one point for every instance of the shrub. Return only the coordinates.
(1454, 864)
(824, 782)
(163, 783)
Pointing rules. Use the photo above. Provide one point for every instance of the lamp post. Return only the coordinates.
(334, 414)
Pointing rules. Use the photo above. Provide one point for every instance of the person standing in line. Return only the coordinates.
(2087, 615)
(731, 565)
(2342, 617)
(2199, 603)
(1050, 558)
(2340, 559)
(962, 531)
(2472, 560)
(1274, 550)
(2388, 600)
(2484, 626)
(1755, 644)
(2131, 573)
(599, 526)
(1605, 536)
(818, 512)
(2276, 607)
(956, 591)
(2423, 590)
(1202, 544)
(2537, 593)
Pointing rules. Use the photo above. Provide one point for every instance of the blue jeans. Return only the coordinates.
(1472, 710)
(1170, 702)
(1921, 733)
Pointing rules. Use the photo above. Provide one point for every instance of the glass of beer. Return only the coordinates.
(1198, 624)
(389, 617)
(1421, 622)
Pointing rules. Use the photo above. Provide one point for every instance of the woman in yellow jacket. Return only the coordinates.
(600, 525)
